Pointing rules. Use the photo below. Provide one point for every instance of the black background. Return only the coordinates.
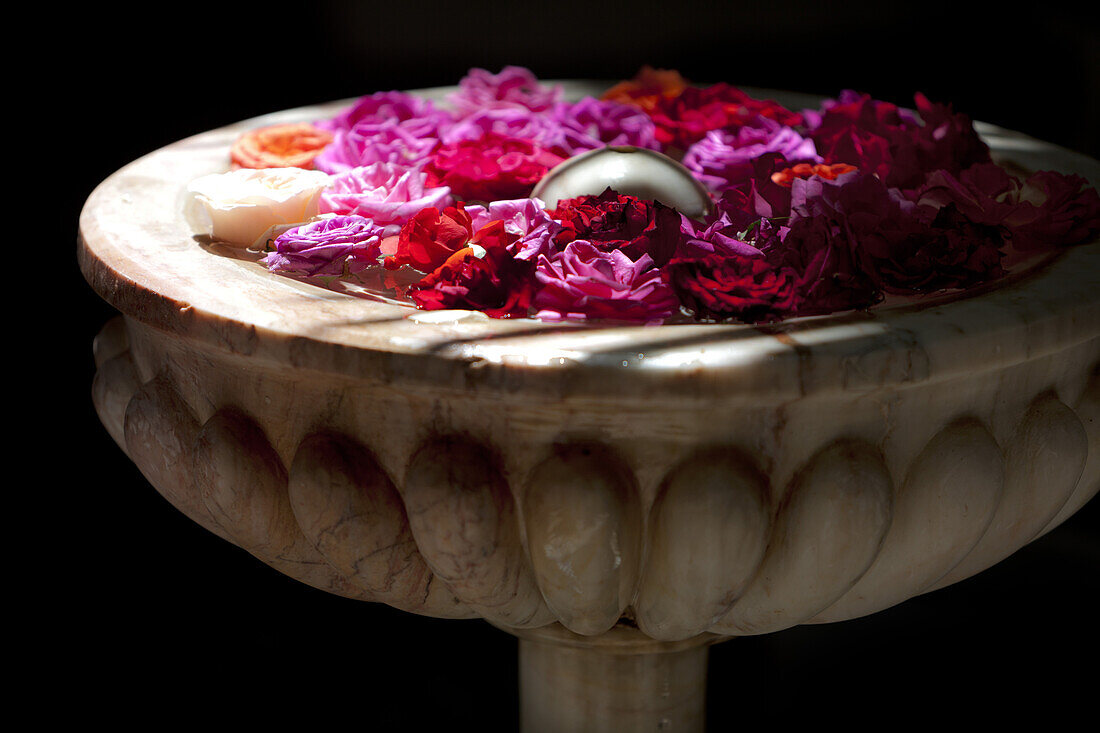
(132, 602)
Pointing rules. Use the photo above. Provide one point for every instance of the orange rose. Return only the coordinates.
(647, 87)
(786, 176)
(279, 146)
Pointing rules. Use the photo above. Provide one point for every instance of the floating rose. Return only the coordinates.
(647, 87)
(612, 221)
(430, 237)
(728, 233)
(594, 123)
(415, 115)
(786, 176)
(365, 144)
(879, 138)
(329, 246)
(387, 193)
(514, 86)
(482, 276)
(491, 168)
(853, 239)
(685, 118)
(240, 206)
(507, 122)
(1046, 211)
(527, 220)
(583, 282)
(279, 146)
(724, 158)
(1055, 210)
(728, 286)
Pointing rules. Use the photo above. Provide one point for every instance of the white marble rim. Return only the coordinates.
(1053, 307)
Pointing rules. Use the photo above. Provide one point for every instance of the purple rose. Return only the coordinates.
(593, 123)
(582, 283)
(330, 246)
(723, 158)
(389, 194)
(719, 235)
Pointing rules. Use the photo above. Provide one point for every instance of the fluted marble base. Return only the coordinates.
(619, 682)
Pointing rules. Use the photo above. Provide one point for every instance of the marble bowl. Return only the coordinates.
(617, 497)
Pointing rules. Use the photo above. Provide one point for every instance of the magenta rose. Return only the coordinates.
(389, 194)
(582, 283)
(490, 168)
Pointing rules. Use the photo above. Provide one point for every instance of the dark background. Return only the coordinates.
(142, 605)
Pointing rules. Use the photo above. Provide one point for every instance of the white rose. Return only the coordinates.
(240, 206)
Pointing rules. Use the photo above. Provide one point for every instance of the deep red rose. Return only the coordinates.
(953, 252)
(984, 193)
(613, 221)
(829, 221)
(430, 237)
(485, 278)
(684, 119)
(878, 137)
(860, 131)
(1059, 210)
(1049, 210)
(946, 141)
(747, 289)
(491, 168)
(853, 239)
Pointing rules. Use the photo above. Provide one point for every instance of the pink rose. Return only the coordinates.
(365, 144)
(514, 86)
(582, 283)
(389, 194)
(526, 220)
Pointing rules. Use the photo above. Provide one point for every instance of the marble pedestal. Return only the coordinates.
(617, 497)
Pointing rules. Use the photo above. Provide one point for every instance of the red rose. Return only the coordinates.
(748, 289)
(860, 131)
(613, 221)
(430, 237)
(1065, 212)
(877, 137)
(953, 252)
(485, 277)
(687, 117)
(491, 168)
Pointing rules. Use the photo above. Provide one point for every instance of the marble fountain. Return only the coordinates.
(618, 498)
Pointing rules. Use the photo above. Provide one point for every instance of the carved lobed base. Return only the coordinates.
(555, 519)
